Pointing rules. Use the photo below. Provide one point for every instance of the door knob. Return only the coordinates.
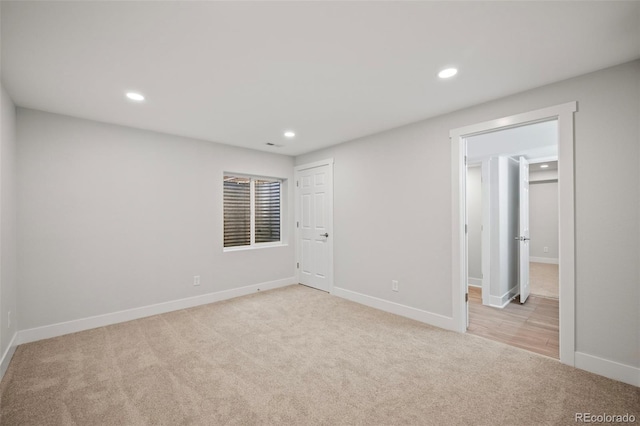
(326, 234)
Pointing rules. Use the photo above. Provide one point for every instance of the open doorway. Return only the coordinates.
(543, 221)
(510, 293)
(563, 113)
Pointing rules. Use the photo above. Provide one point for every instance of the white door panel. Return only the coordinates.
(320, 256)
(306, 211)
(320, 211)
(313, 197)
(306, 257)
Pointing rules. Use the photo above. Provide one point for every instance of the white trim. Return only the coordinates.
(554, 261)
(326, 162)
(607, 368)
(62, 328)
(502, 301)
(539, 181)
(426, 317)
(564, 114)
(543, 159)
(475, 282)
(566, 231)
(8, 354)
(257, 246)
(252, 212)
(525, 118)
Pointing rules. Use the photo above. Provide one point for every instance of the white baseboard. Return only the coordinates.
(611, 369)
(475, 282)
(502, 301)
(59, 329)
(430, 318)
(8, 354)
(554, 261)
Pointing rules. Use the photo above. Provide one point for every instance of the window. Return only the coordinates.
(252, 211)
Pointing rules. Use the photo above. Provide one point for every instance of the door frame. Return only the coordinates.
(563, 113)
(297, 170)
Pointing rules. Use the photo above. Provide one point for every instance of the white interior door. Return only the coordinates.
(524, 230)
(314, 222)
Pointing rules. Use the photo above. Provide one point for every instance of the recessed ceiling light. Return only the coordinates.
(289, 134)
(448, 73)
(135, 96)
(544, 166)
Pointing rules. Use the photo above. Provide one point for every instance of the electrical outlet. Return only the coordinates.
(196, 280)
(394, 285)
(546, 249)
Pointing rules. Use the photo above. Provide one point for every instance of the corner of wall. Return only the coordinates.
(8, 354)
(8, 262)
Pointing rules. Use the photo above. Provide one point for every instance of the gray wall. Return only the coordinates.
(474, 220)
(417, 248)
(113, 218)
(8, 275)
(543, 219)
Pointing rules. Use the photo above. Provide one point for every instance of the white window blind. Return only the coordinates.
(237, 211)
(252, 211)
(267, 211)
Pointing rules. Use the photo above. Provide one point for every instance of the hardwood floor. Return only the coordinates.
(533, 326)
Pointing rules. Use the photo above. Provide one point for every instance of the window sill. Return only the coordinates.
(254, 247)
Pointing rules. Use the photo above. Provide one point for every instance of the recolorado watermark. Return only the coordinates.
(604, 418)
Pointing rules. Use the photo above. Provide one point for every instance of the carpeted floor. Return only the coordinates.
(544, 279)
(294, 356)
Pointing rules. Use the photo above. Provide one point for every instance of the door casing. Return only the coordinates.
(566, 209)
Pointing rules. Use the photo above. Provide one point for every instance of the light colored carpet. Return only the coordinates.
(293, 356)
(544, 279)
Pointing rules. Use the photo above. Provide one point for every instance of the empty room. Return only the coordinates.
(281, 213)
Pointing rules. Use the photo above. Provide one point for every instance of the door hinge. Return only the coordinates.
(297, 183)
(298, 265)
(465, 160)
(297, 224)
(465, 228)
(466, 297)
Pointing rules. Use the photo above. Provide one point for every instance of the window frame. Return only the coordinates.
(252, 212)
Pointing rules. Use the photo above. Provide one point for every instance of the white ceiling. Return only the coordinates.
(241, 73)
(535, 142)
(535, 167)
